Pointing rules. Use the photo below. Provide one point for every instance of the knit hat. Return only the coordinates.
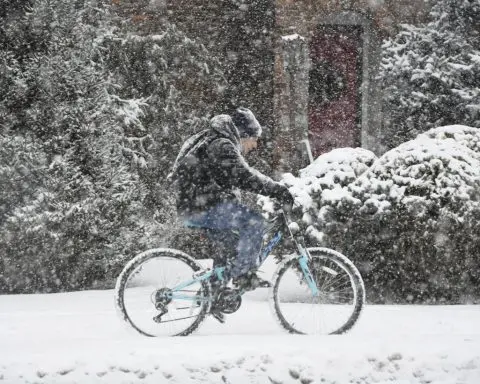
(246, 123)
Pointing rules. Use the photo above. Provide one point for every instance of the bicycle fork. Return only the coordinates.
(303, 262)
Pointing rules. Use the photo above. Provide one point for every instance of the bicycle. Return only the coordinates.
(165, 291)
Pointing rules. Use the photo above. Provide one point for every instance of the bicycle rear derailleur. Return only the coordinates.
(161, 299)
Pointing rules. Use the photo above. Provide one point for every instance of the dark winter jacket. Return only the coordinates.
(210, 168)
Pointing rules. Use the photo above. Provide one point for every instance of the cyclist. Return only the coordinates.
(208, 171)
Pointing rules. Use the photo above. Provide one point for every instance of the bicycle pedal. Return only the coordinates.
(219, 316)
(265, 284)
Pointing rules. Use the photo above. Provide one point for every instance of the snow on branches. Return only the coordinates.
(430, 73)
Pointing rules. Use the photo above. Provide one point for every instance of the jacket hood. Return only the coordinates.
(222, 126)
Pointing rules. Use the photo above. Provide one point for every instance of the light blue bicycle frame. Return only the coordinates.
(219, 271)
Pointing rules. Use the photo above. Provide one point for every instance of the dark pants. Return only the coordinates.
(244, 224)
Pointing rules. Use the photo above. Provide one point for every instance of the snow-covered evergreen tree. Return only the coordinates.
(182, 86)
(78, 137)
(431, 73)
(63, 227)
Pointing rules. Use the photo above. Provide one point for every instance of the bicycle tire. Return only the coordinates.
(135, 265)
(338, 260)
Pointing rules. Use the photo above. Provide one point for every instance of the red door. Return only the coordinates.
(334, 88)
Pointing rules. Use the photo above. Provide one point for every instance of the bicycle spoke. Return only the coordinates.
(148, 285)
(300, 311)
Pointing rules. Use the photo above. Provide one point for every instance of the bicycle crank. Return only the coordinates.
(228, 301)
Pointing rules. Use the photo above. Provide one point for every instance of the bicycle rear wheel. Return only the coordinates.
(334, 310)
(145, 300)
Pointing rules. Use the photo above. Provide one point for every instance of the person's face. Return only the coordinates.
(248, 144)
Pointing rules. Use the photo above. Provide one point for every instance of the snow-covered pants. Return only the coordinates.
(231, 218)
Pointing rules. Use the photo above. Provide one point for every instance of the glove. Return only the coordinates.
(285, 197)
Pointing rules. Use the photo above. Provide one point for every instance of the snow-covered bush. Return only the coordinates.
(329, 172)
(461, 134)
(411, 221)
(430, 73)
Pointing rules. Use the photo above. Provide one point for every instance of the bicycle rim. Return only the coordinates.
(143, 282)
(337, 306)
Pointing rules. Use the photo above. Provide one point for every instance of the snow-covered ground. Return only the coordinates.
(77, 338)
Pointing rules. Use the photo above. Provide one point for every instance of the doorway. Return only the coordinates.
(335, 77)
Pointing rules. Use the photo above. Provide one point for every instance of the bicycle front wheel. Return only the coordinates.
(147, 296)
(336, 307)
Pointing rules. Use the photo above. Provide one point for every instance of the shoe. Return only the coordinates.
(215, 285)
(250, 281)
(217, 315)
(215, 312)
(215, 309)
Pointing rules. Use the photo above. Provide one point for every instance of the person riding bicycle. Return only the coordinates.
(209, 171)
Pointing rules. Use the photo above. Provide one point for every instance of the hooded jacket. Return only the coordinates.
(210, 168)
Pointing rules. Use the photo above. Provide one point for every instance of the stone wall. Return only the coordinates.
(291, 104)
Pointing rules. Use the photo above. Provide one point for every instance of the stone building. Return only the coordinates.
(306, 67)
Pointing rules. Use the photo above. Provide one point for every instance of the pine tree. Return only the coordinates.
(75, 209)
(91, 119)
(431, 73)
(182, 86)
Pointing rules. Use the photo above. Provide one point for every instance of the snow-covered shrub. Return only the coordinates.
(430, 73)
(411, 221)
(463, 135)
(331, 171)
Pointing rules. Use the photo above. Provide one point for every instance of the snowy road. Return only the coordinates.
(77, 338)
